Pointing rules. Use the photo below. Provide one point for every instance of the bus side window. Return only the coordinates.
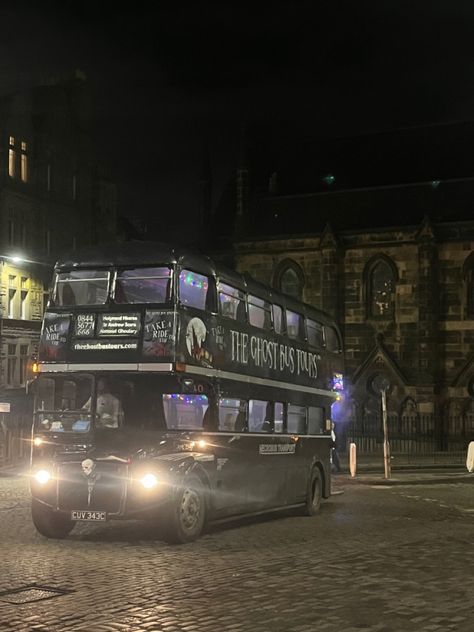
(232, 303)
(259, 312)
(193, 289)
(315, 334)
(315, 420)
(260, 416)
(279, 417)
(331, 339)
(294, 325)
(278, 325)
(296, 422)
(232, 415)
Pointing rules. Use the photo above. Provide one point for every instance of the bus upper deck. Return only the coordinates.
(153, 308)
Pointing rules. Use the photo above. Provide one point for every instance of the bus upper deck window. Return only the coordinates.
(315, 333)
(231, 302)
(82, 287)
(193, 289)
(277, 312)
(259, 312)
(294, 325)
(143, 285)
(331, 339)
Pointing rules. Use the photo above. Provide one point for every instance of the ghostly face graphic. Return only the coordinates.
(88, 466)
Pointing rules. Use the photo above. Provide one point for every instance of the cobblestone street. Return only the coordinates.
(376, 558)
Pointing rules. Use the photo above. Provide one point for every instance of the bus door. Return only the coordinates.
(232, 450)
(269, 454)
(297, 470)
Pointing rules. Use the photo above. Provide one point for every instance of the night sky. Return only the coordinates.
(168, 82)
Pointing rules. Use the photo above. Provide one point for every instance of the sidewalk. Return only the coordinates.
(417, 476)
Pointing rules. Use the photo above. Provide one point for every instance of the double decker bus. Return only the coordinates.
(173, 389)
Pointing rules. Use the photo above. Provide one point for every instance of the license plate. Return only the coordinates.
(88, 516)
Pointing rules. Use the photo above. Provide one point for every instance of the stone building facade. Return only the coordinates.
(54, 196)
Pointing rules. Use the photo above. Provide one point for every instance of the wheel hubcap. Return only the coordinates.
(190, 509)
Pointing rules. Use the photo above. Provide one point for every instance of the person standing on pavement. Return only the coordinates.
(336, 466)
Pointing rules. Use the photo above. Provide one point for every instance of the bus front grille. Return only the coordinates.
(99, 489)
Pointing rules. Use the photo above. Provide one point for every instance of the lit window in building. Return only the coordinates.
(11, 303)
(381, 290)
(24, 162)
(24, 305)
(290, 283)
(11, 157)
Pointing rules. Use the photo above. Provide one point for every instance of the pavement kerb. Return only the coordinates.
(412, 478)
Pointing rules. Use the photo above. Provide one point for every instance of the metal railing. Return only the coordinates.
(423, 439)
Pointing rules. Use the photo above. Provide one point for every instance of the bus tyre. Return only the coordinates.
(314, 493)
(50, 523)
(187, 513)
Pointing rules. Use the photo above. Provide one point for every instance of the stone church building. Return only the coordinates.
(395, 265)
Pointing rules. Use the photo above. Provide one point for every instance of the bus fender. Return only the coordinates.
(326, 491)
(192, 467)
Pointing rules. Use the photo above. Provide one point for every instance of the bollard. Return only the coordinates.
(352, 459)
(470, 457)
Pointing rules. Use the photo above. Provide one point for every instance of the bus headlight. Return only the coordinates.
(149, 481)
(37, 441)
(42, 477)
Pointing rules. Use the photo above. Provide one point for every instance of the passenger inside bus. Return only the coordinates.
(109, 410)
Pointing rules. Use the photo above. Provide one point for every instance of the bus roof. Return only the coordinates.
(147, 253)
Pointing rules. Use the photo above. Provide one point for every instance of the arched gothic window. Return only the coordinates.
(289, 278)
(380, 280)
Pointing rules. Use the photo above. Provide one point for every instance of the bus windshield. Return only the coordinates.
(143, 285)
(81, 287)
(63, 403)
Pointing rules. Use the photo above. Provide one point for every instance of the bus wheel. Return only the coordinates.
(49, 523)
(188, 513)
(314, 493)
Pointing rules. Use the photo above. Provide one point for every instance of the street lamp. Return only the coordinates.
(17, 259)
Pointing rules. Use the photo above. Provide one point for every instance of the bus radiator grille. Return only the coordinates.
(102, 490)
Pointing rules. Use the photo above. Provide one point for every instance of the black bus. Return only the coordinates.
(173, 389)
